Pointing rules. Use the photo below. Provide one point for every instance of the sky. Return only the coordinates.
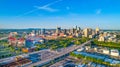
(20, 14)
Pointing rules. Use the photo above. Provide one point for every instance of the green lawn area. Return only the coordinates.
(62, 43)
(6, 50)
(107, 44)
(91, 59)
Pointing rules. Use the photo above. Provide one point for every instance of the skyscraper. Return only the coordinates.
(76, 28)
(72, 30)
(58, 30)
(65, 31)
(39, 32)
(87, 32)
(97, 31)
(79, 29)
(42, 31)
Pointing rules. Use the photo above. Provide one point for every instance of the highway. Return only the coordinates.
(65, 51)
(11, 58)
(3, 38)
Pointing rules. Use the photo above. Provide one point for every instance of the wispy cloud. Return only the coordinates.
(29, 12)
(44, 7)
(47, 6)
(98, 11)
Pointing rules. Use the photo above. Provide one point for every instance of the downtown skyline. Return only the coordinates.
(64, 13)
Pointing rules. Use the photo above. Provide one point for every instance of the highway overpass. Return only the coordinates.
(66, 51)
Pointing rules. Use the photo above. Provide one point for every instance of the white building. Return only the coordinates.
(106, 51)
(95, 49)
(78, 35)
(91, 36)
(114, 52)
(101, 38)
(87, 32)
(87, 47)
(80, 49)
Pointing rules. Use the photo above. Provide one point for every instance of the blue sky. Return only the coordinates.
(65, 13)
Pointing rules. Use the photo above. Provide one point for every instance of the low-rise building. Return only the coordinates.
(91, 36)
(114, 52)
(19, 63)
(115, 62)
(34, 57)
(80, 49)
(101, 38)
(81, 65)
(87, 47)
(95, 49)
(89, 64)
(106, 51)
(93, 65)
(108, 60)
(98, 65)
(31, 41)
(16, 41)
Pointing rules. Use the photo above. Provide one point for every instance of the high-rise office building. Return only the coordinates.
(58, 30)
(76, 28)
(33, 31)
(36, 32)
(65, 31)
(87, 32)
(39, 32)
(97, 31)
(72, 30)
(42, 31)
(90, 31)
(79, 29)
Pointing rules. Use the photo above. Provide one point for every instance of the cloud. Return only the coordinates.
(29, 12)
(44, 7)
(47, 6)
(98, 11)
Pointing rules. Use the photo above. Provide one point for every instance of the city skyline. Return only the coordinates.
(64, 13)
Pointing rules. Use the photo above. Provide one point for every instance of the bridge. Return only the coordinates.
(66, 51)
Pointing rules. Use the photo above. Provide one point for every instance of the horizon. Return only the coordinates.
(22, 14)
(52, 28)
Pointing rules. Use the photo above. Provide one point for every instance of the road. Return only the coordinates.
(63, 62)
(3, 38)
(65, 51)
(25, 55)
